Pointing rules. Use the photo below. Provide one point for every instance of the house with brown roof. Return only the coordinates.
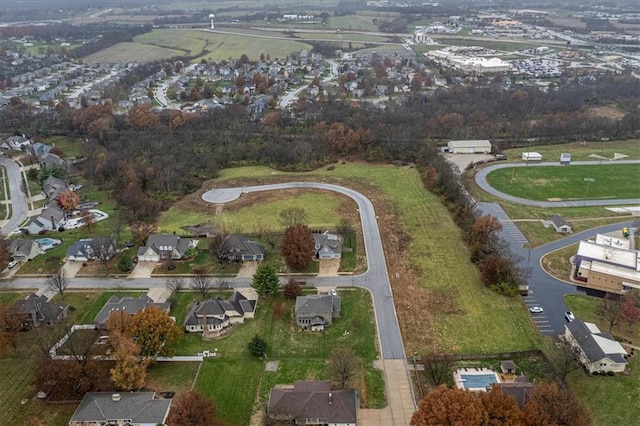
(313, 403)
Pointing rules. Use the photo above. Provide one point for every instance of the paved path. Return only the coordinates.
(18, 198)
(481, 180)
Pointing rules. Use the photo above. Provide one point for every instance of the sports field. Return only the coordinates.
(606, 181)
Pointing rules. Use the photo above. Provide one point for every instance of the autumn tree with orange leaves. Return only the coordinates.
(193, 409)
(68, 200)
(298, 247)
(155, 332)
(130, 369)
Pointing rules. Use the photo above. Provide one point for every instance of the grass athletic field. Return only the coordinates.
(568, 183)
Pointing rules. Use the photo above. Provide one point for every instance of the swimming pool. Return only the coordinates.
(48, 243)
(479, 381)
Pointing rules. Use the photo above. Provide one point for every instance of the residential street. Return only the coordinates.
(18, 197)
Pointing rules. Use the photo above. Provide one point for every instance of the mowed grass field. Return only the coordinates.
(568, 183)
(611, 401)
(475, 319)
(132, 52)
(219, 46)
(580, 151)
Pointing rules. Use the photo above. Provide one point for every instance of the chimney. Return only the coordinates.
(330, 398)
(115, 397)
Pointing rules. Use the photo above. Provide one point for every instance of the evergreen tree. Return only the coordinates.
(265, 280)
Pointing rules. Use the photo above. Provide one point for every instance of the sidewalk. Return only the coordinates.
(400, 406)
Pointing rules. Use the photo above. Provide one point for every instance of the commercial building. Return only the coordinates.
(469, 147)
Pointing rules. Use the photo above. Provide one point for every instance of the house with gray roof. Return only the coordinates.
(211, 316)
(128, 408)
(313, 402)
(49, 219)
(165, 246)
(560, 224)
(315, 312)
(327, 246)
(23, 250)
(238, 248)
(38, 311)
(96, 248)
(598, 351)
(128, 304)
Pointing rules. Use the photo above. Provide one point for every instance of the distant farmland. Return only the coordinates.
(132, 52)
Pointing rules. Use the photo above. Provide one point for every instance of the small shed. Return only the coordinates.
(560, 224)
(469, 147)
(508, 367)
(531, 156)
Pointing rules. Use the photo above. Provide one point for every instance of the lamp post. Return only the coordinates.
(588, 180)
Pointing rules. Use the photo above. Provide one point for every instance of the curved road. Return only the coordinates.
(481, 180)
(375, 279)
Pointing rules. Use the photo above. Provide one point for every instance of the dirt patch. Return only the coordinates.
(608, 111)
(329, 268)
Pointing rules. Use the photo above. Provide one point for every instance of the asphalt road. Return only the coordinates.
(375, 279)
(481, 180)
(18, 197)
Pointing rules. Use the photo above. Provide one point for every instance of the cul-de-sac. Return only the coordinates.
(334, 213)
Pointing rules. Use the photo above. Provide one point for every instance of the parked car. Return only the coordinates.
(536, 310)
(12, 264)
(569, 316)
(500, 157)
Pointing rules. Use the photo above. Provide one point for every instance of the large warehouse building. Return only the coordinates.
(469, 147)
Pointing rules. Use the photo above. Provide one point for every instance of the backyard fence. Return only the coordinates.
(471, 357)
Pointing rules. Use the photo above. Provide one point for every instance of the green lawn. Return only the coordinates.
(611, 401)
(171, 376)
(301, 355)
(568, 183)
(580, 151)
(217, 46)
(72, 148)
(455, 318)
(503, 45)
(10, 296)
(89, 304)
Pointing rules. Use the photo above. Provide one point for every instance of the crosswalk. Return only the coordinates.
(541, 320)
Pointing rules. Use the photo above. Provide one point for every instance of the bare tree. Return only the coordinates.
(88, 219)
(609, 310)
(201, 281)
(438, 369)
(343, 366)
(58, 282)
(566, 359)
(176, 284)
(292, 216)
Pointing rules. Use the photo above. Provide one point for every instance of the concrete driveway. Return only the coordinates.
(143, 270)
(247, 269)
(329, 267)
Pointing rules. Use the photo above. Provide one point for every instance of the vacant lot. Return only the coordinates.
(132, 52)
(611, 401)
(217, 46)
(440, 302)
(568, 183)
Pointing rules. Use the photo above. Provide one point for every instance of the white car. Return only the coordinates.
(334, 292)
(12, 264)
(569, 316)
(536, 310)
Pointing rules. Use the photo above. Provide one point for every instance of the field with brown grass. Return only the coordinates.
(132, 52)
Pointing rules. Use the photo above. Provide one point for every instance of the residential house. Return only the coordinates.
(599, 352)
(39, 149)
(317, 311)
(165, 246)
(23, 250)
(16, 143)
(120, 409)
(52, 186)
(560, 224)
(313, 403)
(214, 315)
(50, 159)
(238, 248)
(520, 390)
(327, 246)
(38, 311)
(128, 304)
(50, 219)
(97, 248)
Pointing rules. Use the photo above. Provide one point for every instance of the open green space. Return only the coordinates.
(70, 147)
(235, 378)
(568, 183)
(171, 376)
(343, 37)
(219, 46)
(538, 234)
(132, 52)
(495, 324)
(611, 401)
(580, 151)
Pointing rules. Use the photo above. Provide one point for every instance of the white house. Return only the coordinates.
(469, 147)
(598, 351)
(560, 224)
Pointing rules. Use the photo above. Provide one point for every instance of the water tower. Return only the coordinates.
(211, 16)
